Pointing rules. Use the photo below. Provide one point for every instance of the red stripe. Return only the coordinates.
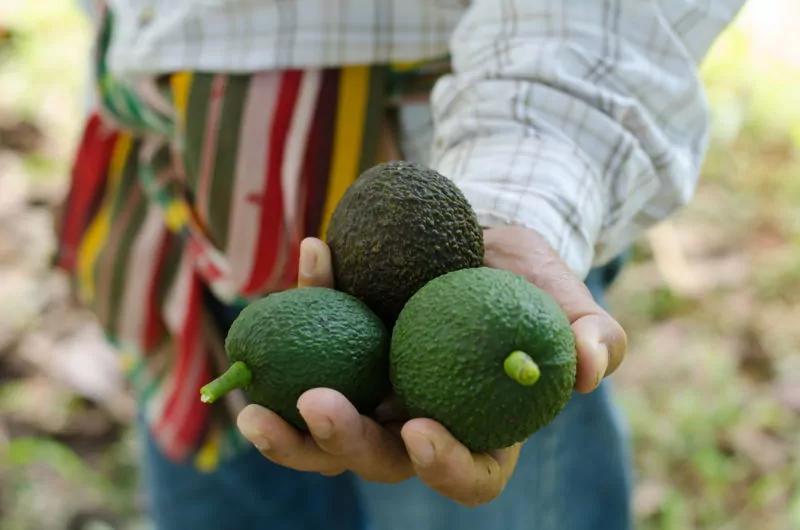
(311, 165)
(88, 180)
(189, 426)
(209, 155)
(318, 156)
(187, 339)
(272, 199)
(197, 414)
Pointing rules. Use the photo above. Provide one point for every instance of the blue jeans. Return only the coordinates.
(572, 475)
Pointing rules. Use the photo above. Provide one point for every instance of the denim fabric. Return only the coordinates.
(248, 493)
(572, 475)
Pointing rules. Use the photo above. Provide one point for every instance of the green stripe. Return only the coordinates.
(169, 271)
(107, 257)
(129, 178)
(132, 105)
(124, 248)
(158, 192)
(221, 189)
(137, 373)
(152, 382)
(152, 387)
(109, 260)
(196, 111)
(373, 118)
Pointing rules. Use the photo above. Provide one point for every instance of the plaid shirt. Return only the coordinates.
(582, 119)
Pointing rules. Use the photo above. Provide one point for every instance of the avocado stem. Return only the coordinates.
(521, 368)
(237, 376)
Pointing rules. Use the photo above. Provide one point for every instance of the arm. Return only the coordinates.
(584, 125)
(582, 119)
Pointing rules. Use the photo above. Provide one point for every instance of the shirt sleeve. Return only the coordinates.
(585, 120)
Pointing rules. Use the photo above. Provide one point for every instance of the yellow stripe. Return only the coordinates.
(95, 237)
(207, 457)
(348, 136)
(181, 84)
(405, 66)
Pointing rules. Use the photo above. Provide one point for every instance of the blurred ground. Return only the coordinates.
(711, 302)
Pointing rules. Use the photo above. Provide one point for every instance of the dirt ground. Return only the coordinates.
(711, 302)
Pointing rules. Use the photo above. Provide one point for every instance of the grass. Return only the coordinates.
(711, 386)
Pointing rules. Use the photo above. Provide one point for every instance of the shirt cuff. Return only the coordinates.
(536, 182)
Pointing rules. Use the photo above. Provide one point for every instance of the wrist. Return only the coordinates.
(574, 247)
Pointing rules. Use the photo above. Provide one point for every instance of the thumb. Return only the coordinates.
(601, 343)
(315, 264)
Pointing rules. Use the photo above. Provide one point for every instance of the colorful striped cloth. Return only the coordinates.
(200, 182)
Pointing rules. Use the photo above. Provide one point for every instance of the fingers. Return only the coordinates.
(361, 444)
(315, 268)
(448, 467)
(600, 352)
(340, 439)
(283, 444)
(601, 342)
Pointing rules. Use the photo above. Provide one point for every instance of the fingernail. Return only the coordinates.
(258, 439)
(422, 451)
(308, 262)
(321, 428)
(262, 444)
(602, 356)
(250, 431)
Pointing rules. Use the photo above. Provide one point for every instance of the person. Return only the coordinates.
(225, 133)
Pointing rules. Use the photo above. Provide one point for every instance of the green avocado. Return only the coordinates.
(292, 341)
(485, 353)
(398, 226)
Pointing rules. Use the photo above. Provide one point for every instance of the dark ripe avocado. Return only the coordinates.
(290, 342)
(486, 354)
(398, 226)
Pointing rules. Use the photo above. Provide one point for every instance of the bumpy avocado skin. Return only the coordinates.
(448, 348)
(310, 337)
(398, 226)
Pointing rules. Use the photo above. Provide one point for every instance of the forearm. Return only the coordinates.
(586, 123)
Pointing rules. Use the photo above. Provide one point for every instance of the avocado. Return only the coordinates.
(398, 226)
(292, 341)
(485, 353)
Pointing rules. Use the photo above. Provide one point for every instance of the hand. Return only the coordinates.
(380, 448)
(601, 342)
